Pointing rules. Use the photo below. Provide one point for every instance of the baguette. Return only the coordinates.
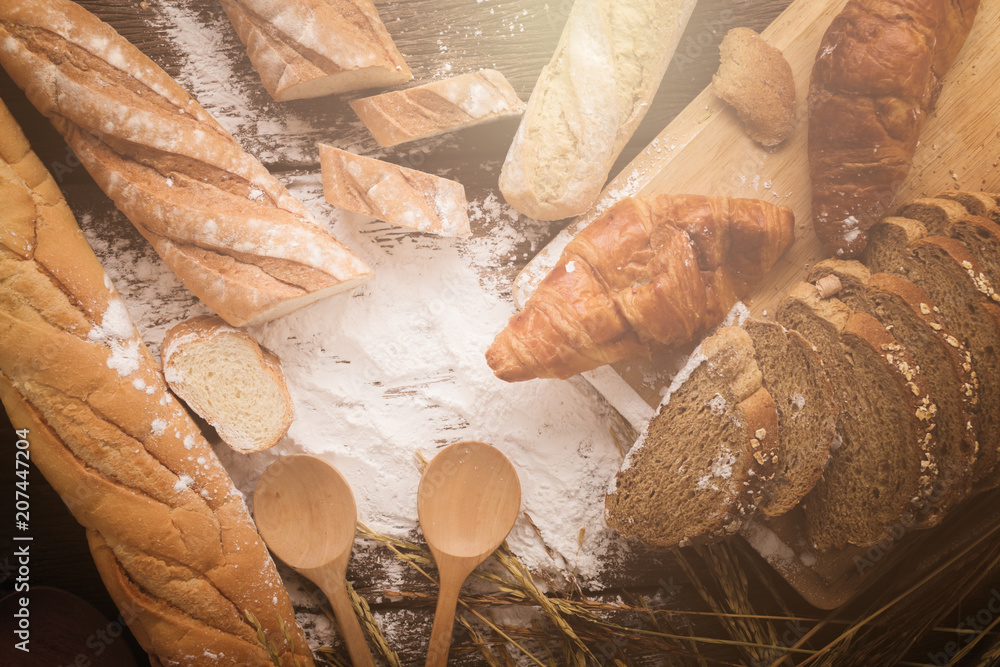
(876, 78)
(311, 48)
(438, 107)
(588, 101)
(170, 534)
(397, 195)
(229, 230)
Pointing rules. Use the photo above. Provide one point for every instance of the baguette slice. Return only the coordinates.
(310, 48)
(438, 107)
(230, 381)
(976, 203)
(881, 470)
(794, 376)
(945, 270)
(701, 467)
(229, 230)
(915, 322)
(395, 194)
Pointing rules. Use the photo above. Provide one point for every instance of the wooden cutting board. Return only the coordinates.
(705, 151)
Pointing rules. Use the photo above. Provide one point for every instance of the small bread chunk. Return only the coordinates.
(756, 80)
(707, 455)
(881, 468)
(794, 375)
(976, 203)
(915, 321)
(950, 275)
(438, 107)
(397, 195)
(225, 377)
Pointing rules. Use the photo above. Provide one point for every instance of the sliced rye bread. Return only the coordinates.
(913, 318)
(878, 474)
(794, 376)
(700, 468)
(945, 270)
(947, 217)
(976, 203)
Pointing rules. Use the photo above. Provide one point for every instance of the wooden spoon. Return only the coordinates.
(305, 511)
(467, 502)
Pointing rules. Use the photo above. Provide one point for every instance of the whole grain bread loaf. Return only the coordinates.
(702, 466)
(794, 376)
(880, 469)
(945, 362)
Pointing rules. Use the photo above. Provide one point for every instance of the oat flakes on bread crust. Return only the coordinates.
(701, 467)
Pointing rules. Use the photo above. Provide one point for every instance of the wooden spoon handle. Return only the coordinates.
(350, 628)
(444, 620)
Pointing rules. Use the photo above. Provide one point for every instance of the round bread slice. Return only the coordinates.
(945, 270)
(794, 376)
(701, 467)
(225, 377)
(880, 469)
(915, 321)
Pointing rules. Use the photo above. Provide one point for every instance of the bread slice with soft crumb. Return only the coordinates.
(225, 377)
(702, 465)
(794, 375)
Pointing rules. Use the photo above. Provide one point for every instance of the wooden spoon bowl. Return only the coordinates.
(467, 502)
(305, 511)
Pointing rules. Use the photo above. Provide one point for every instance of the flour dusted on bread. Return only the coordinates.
(230, 381)
(310, 48)
(707, 455)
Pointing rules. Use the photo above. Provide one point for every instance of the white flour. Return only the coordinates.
(398, 367)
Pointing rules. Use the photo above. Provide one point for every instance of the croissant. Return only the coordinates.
(876, 78)
(648, 272)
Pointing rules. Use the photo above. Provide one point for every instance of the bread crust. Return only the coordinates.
(650, 271)
(163, 517)
(229, 230)
(294, 63)
(877, 75)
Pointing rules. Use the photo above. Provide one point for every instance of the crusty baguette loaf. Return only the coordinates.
(703, 464)
(401, 196)
(228, 379)
(877, 75)
(170, 534)
(649, 272)
(588, 101)
(310, 48)
(229, 230)
(438, 107)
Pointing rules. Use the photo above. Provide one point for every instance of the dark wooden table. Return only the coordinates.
(437, 37)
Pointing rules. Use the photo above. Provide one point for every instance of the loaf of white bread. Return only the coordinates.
(229, 230)
(588, 101)
(170, 534)
(310, 48)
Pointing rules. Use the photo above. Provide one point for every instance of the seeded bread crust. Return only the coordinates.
(794, 375)
(701, 468)
(882, 470)
(915, 321)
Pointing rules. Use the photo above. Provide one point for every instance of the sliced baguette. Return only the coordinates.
(703, 463)
(225, 377)
(794, 376)
(945, 362)
(880, 471)
(438, 107)
(397, 195)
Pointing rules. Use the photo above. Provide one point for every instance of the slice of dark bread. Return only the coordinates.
(794, 376)
(877, 476)
(945, 270)
(700, 468)
(976, 203)
(913, 318)
(948, 217)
